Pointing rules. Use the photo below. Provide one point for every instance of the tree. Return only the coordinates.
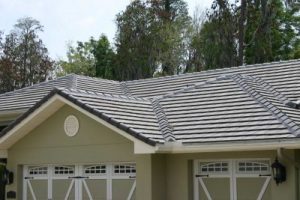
(215, 42)
(104, 58)
(246, 32)
(174, 27)
(152, 38)
(272, 32)
(92, 58)
(24, 59)
(80, 60)
(137, 49)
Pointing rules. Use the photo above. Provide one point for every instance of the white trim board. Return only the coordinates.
(230, 146)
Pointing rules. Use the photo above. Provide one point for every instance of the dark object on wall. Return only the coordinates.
(3, 161)
(2, 185)
(11, 195)
(7, 177)
(279, 172)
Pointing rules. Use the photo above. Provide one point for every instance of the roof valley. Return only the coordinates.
(258, 97)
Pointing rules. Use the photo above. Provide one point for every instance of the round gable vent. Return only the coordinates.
(71, 125)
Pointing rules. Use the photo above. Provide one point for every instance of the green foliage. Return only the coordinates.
(24, 59)
(268, 32)
(80, 60)
(271, 35)
(151, 38)
(93, 58)
(135, 42)
(216, 42)
(104, 58)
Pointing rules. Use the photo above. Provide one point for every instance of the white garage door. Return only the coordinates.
(232, 179)
(80, 182)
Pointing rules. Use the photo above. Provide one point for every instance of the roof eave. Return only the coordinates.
(254, 145)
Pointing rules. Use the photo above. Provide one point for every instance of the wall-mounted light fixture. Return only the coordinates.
(279, 172)
(7, 177)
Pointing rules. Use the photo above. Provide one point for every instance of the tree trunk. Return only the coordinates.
(242, 32)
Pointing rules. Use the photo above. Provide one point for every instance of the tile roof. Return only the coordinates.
(245, 103)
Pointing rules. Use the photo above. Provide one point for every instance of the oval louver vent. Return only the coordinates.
(71, 125)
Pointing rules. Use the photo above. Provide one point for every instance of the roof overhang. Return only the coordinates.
(47, 107)
(230, 146)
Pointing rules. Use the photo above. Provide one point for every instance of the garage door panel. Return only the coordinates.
(97, 189)
(122, 188)
(249, 188)
(218, 188)
(62, 189)
(37, 189)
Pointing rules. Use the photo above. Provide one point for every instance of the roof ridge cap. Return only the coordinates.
(73, 83)
(36, 85)
(164, 125)
(103, 94)
(97, 78)
(125, 89)
(219, 69)
(276, 112)
(193, 86)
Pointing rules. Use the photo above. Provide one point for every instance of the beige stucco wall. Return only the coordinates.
(48, 144)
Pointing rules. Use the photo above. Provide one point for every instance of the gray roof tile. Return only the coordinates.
(233, 104)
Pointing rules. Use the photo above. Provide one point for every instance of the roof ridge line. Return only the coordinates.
(97, 78)
(73, 83)
(36, 85)
(276, 112)
(267, 64)
(87, 92)
(193, 86)
(125, 89)
(163, 122)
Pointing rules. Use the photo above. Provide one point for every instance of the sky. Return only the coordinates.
(67, 21)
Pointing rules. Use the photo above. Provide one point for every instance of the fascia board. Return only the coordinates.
(241, 146)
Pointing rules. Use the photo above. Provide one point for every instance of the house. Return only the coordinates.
(226, 134)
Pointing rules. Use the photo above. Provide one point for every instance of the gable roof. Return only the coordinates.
(234, 104)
